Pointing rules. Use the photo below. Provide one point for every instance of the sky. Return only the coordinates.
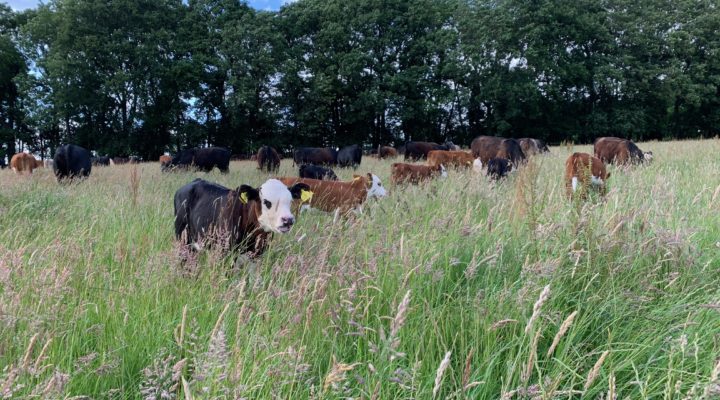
(257, 4)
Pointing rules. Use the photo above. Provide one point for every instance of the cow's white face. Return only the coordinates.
(275, 214)
(376, 188)
(648, 156)
(443, 171)
(477, 165)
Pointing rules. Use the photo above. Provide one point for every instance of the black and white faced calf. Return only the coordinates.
(245, 216)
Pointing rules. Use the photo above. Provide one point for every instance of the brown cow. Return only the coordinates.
(387, 152)
(489, 147)
(165, 159)
(619, 151)
(23, 162)
(413, 173)
(457, 159)
(584, 172)
(268, 159)
(343, 196)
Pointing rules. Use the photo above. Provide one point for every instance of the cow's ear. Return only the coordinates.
(370, 179)
(356, 177)
(301, 191)
(247, 193)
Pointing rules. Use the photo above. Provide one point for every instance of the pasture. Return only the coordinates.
(459, 288)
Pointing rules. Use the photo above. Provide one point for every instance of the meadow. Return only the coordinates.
(457, 289)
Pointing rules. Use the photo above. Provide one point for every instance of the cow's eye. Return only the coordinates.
(267, 204)
(379, 184)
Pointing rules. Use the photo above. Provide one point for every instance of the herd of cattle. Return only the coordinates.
(247, 215)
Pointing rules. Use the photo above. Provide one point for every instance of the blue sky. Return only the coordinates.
(258, 4)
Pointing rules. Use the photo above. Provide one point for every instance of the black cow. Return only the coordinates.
(244, 216)
(315, 155)
(349, 156)
(316, 172)
(420, 150)
(102, 161)
(268, 159)
(498, 168)
(203, 159)
(71, 161)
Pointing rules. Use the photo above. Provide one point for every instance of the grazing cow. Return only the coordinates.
(619, 151)
(350, 156)
(584, 172)
(488, 147)
(317, 172)
(245, 216)
(457, 159)
(498, 168)
(330, 196)
(203, 159)
(532, 146)
(315, 155)
(100, 161)
(165, 160)
(120, 160)
(402, 173)
(268, 159)
(420, 150)
(387, 152)
(23, 162)
(71, 161)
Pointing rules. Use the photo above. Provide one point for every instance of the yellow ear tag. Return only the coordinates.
(305, 195)
(243, 197)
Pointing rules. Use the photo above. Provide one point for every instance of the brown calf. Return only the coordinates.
(457, 159)
(584, 172)
(343, 196)
(23, 162)
(412, 173)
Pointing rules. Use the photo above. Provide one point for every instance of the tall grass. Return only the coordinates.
(434, 291)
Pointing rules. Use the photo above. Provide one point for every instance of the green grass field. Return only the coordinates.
(456, 289)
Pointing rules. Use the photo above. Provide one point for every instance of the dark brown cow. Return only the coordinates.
(268, 159)
(489, 147)
(349, 196)
(413, 173)
(532, 146)
(387, 152)
(457, 159)
(315, 155)
(420, 150)
(619, 151)
(584, 172)
(23, 162)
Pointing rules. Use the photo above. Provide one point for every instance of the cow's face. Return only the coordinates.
(477, 165)
(376, 188)
(443, 171)
(648, 156)
(274, 200)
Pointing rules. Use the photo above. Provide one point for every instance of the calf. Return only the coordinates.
(584, 172)
(23, 162)
(315, 155)
(498, 168)
(203, 159)
(457, 159)
(343, 196)
(420, 150)
(268, 159)
(71, 161)
(317, 172)
(387, 152)
(165, 160)
(247, 216)
(619, 151)
(402, 173)
(350, 156)
(100, 161)
(489, 147)
(532, 146)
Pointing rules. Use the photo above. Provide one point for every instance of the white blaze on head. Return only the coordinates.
(443, 171)
(596, 180)
(275, 199)
(376, 188)
(477, 165)
(648, 156)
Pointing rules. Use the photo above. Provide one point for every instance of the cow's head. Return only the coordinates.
(272, 206)
(375, 187)
(443, 171)
(477, 165)
(648, 156)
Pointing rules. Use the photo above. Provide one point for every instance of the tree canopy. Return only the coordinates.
(143, 77)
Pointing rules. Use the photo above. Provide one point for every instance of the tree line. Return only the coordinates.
(141, 77)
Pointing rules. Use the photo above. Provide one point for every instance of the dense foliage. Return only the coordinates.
(147, 76)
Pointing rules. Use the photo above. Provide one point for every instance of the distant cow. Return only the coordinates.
(412, 173)
(203, 159)
(387, 152)
(268, 159)
(619, 151)
(457, 159)
(23, 162)
(315, 155)
(120, 160)
(317, 172)
(100, 161)
(498, 168)
(532, 146)
(245, 216)
(350, 156)
(165, 160)
(489, 147)
(420, 150)
(584, 172)
(71, 161)
(349, 196)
